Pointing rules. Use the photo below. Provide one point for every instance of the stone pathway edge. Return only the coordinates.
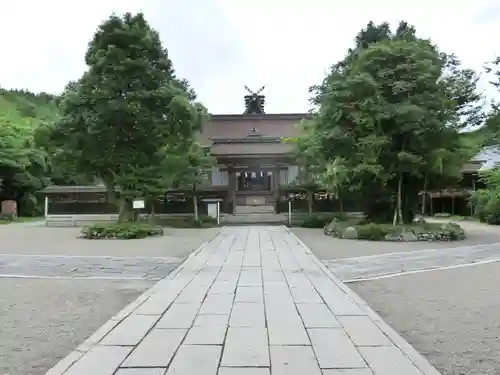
(413, 355)
(64, 364)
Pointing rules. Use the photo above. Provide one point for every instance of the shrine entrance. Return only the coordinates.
(254, 181)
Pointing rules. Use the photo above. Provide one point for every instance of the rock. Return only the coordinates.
(409, 236)
(350, 233)
(452, 231)
(418, 219)
(393, 237)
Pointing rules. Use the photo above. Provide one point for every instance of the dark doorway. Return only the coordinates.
(254, 181)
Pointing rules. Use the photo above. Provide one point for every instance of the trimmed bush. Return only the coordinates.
(188, 222)
(126, 231)
(315, 222)
(321, 221)
(404, 233)
(371, 232)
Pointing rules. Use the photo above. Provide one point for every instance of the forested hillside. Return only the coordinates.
(25, 166)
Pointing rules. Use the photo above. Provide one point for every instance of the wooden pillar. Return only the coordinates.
(231, 196)
(276, 187)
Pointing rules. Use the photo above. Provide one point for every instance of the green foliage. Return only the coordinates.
(321, 221)
(124, 231)
(203, 221)
(24, 163)
(371, 232)
(315, 222)
(487, 201)
(128, 120)
(389, 117)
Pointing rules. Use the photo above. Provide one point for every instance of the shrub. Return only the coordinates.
(315, 222)
(188, 222)
(372, 232)
(125, 231)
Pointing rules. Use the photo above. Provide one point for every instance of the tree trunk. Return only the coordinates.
(398, 211)
(125, 213)
(424, 195)
(152, 214)
(341, 206)
(310, 203)
(195, 204)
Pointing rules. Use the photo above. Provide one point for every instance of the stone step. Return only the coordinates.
(259, 218)
(244, 210)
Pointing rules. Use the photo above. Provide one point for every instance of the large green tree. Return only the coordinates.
(122, 119)
(24, 163)
(388, 113)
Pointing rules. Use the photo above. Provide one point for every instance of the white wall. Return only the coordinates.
(293, 173)
(219, 177)
(283, 176)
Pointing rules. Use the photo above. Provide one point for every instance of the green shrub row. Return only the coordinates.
(124, 231)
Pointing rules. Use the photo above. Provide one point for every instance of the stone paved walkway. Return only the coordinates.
(358, 268)
(253, 301)
(83, 267)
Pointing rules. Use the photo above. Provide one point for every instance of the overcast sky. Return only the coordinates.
(222, 45)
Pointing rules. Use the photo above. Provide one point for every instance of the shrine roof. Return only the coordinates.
(238, 126)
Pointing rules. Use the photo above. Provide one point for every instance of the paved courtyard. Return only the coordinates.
(252, 301)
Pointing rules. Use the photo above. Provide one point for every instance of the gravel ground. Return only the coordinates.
(42, 320)
(450, 316)
(39, 239)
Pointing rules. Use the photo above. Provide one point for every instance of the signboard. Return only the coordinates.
(138, 204)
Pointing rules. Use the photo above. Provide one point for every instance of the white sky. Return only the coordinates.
(222, 45)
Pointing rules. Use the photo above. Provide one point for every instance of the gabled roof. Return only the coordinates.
(238, 126)
(489, 157)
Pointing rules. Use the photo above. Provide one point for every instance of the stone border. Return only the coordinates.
(64, 364)
(413, 355)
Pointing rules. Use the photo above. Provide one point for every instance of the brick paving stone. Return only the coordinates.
(250, 276)
(246, 347)
(141, 371)
(348, 371)
(388, 360)
(285, 334)
(305, 295)
(131, 330)
(206, 335)
(317, 316)
(211, 320)
(157, 348)
(195, 360)
(249, 294)
(100, 360)
(363, 331)
(244, 371)
(157, 304)
(192, 293)
(217, 304)
(294, 360)
(223, 287)
(247, 315)
(334, 349)
(179, 315)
